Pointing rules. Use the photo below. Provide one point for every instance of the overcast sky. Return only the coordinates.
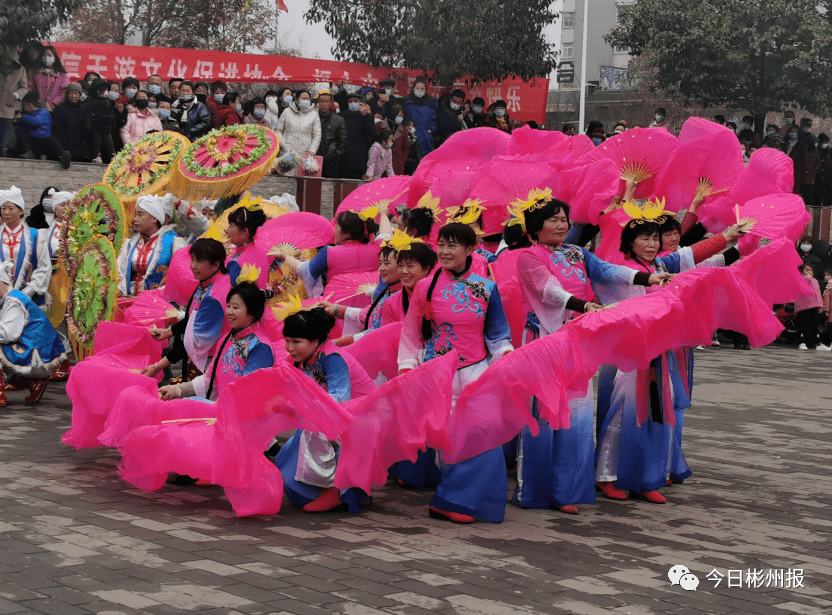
(312, 39)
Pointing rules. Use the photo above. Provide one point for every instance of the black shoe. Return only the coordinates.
(746, 347)
(66, 160)
(273, 450)
(182, 480)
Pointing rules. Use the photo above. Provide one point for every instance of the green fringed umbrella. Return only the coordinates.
(95, 210)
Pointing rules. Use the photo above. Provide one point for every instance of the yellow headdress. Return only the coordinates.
(368, 213)
(248, 273)
(400, 241)
(467, 213)
(292, 305)
(429, 202)
(537, 199)
(651, 211)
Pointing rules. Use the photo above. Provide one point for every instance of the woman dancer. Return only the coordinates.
(243, 223)
(457, 310)
(308, 460)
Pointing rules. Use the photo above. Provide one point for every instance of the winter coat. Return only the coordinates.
(38, 123)
(447, 123)
(401, 148)
(196, 121)
(214, 109)
(380, 161)
(333, 136)
(12, 79)
(252, 119)
(273, 113)
(138, 125)
(360, 132)
(98, 115)
(50, 86)
(227, 116)
(299, 131)
(68, 126)
(423, 113)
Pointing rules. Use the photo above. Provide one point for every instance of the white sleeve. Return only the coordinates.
(13, 319)
(39, 281)
(123, 286)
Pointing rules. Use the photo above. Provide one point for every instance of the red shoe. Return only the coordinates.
(329, 499)
(654, 497)
(36, 388)
(609, 490)
(201, 482)
(569, 509)
(668, 482)
(62, 373)
(436, 513)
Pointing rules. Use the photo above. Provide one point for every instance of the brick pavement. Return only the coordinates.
(78, 540)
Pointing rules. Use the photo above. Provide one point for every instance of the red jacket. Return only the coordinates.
(213, 109)
(227, 116)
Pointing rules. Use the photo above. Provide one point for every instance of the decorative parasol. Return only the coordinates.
(386, 193)
(640, 153)
(144, 167)
(95, 210)
(352, 289)
(93, 279)
(224, 162)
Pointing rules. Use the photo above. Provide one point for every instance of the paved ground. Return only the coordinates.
(75, 539)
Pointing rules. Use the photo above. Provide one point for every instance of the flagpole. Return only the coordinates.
(582, 111)
(276, 30)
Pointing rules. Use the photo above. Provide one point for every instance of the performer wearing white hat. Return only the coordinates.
(30, 349)
(144, 259)
(31, 267)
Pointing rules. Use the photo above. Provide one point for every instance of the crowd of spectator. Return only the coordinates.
(356, 132)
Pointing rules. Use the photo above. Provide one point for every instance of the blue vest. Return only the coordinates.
(38, 334)
(155, 278)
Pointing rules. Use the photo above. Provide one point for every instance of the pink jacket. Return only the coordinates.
(807, 302)
(381, 160)
(50, 86)
(139, 125)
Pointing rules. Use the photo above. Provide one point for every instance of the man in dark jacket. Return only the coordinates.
(360, 133)
(99, 122)
(68, 124)
(478, 113)
(195, 121)
(449, 116)
(386, 98)
(333, 145)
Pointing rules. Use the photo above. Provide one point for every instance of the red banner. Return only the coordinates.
(525, 100)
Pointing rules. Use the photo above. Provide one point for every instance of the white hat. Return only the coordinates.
(169, 202)
(209, 204)
(58, 198)
(153, 205)
(13, 195)
(6, 268)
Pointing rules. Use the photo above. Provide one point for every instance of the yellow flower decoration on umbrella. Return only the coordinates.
(535, 200)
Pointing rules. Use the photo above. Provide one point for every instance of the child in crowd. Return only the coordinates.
(36, 135)
(808, 309)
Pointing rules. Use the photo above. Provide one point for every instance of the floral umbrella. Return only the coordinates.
(224, 162)
(144, 167)
(95, 210)
(93, 289)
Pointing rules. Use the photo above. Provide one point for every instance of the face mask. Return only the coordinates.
(499, 112)
(805, 248)
(142, 103)
(48, 61)
(47, 204)
(389, 145)
(659, 117)
(131, 92)
(305, 104)
(238, 107)
(288, 100)
(88, 82)
(792, 137)
(153, 105)
(745, 126)
(456, 107)
(259, 113)
(84, 96)
(376, 120)
(418, 93)
(788, 121)
(476, 109)
(824, 146)
(113, 95)
(411, 130)
(400, 119)
(388, 92)
(219, 97)
(335, 90)
(597, 141)
(354, 106)
(164, 113)
(618, 132)
(270, 99)
(202, 97)
(186, 98)
(154, 89)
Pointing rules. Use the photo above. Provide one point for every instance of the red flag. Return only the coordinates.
(281, 6)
